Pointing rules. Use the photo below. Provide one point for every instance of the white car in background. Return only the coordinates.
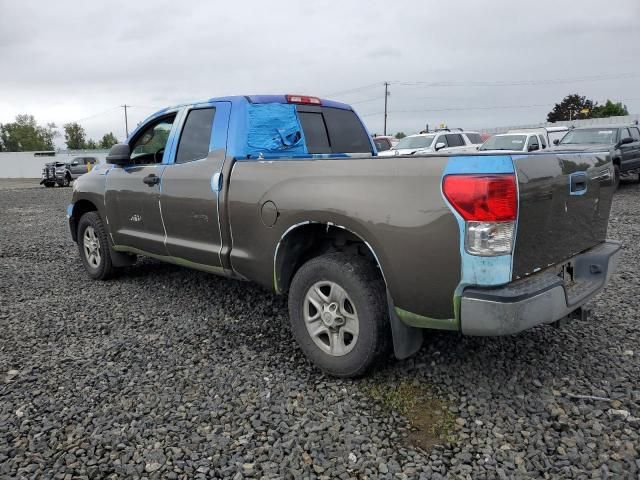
(441, 140)
(515, 142)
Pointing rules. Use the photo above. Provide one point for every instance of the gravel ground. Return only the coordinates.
(172, 373)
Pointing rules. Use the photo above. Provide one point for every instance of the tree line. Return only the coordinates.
(576, 107)
(26, 135)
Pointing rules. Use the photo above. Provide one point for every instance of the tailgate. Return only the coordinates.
(564, 204)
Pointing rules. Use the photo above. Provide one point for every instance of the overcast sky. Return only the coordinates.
(78, 61)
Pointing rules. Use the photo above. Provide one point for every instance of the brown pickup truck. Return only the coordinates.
(288, 191)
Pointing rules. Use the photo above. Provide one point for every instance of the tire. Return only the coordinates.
(616, 176)
(92, 239)
(66, 181)
(49, 185)
(346, 347)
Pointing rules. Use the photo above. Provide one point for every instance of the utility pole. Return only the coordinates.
(386, 95)
(126, 120)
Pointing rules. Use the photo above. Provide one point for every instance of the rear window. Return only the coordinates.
(333, 130)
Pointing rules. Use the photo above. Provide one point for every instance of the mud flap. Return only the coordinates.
(119, 259)
(406, 340)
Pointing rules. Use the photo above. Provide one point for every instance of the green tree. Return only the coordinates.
(609, 109)
(108, 140)
(572, 107)
(25, 135)
(400, 135)
(91, 144)
(74, 136)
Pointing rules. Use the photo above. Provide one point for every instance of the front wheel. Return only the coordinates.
(66, 181)
(338, 313)
(94, 247)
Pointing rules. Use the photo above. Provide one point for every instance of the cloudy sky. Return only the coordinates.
(468, 63)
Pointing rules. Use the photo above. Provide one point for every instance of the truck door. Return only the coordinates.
(635, 134)
(191, 184)
(132, 195)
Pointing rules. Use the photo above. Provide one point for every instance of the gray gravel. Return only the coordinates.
(172, 373)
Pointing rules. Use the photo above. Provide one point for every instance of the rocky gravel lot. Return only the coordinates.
(171, 373)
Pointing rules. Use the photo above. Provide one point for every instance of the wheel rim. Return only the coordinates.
(331, 318)
(91, 246)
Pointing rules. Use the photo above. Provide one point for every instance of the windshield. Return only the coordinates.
(423, 141)
(591, 135)
(505, 142)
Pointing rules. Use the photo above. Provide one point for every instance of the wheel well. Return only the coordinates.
(79, 209)
(311, 240)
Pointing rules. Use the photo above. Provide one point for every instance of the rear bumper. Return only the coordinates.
(537, 299)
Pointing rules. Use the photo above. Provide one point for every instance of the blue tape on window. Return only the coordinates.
(274, 128)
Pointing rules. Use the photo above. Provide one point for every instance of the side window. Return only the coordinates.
(474, 138)
(543, 141)
(533, 142)
(454, 140)
(441, 139)
(624, 133)
(196, 135)
(148, 146)
(635, 133)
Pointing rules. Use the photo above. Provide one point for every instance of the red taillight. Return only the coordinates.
(303, 99)
(483, 198)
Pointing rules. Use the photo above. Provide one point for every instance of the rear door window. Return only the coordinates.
(635, 133)
(474, 137)
(196, 135)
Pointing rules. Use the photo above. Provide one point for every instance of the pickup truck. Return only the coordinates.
(63, 174)
(442, 140)
(288, 191)
(621, 141)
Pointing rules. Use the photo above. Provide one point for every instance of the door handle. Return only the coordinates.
(151, 179)
(578, 183)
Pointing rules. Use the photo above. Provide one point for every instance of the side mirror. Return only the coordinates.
(440, 146)
(119, 154)
(626, 141)
(533, 148)
(556, 141)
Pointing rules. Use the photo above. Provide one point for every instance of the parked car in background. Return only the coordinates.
(49, 178)
(384, 142)
(277, 189)
(444, 140)
(62, 174)
(546, 134)
(515, 142)
(622, 142)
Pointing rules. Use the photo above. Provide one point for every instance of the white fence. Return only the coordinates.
(29, 164)
(627, 119)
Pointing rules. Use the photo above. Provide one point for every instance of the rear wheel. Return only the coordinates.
(94, 247)
(338, 313)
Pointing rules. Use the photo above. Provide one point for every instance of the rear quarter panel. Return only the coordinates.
(394, 204)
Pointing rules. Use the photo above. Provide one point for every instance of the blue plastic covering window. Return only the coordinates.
(274, 128)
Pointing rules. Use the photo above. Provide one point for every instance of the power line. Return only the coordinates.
(529, 82)
(353, 90)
